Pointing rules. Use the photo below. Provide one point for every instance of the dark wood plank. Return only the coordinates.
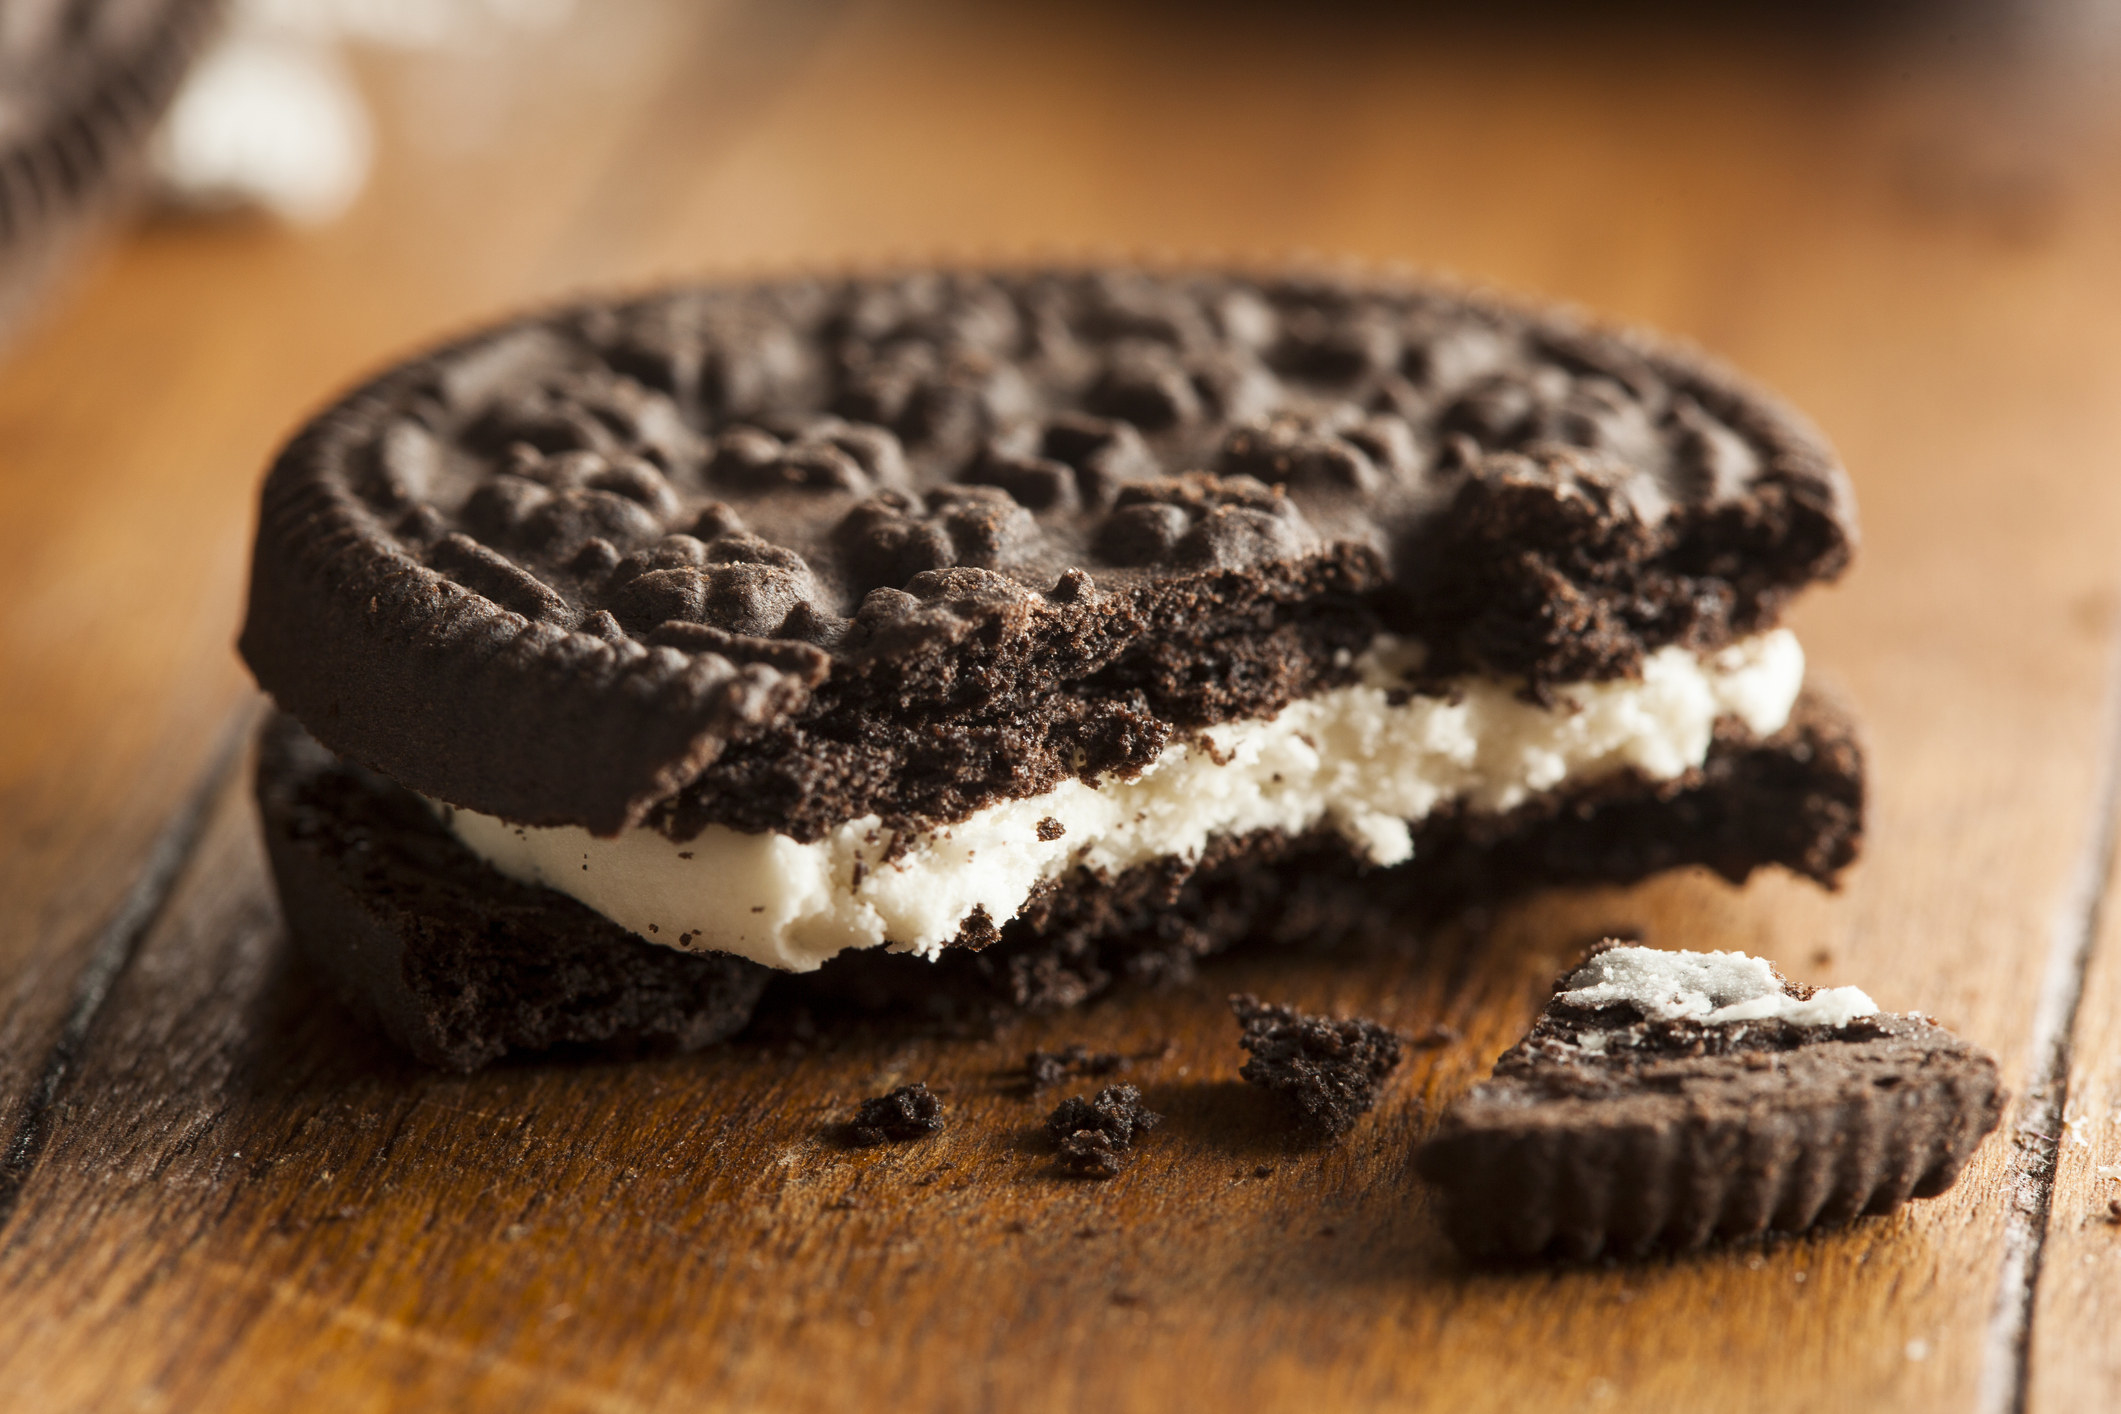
(2074, 1361)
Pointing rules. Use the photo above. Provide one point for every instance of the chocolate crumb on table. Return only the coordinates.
(1043, 1069)
(1326, 1070)
(909, 1112)
(1094, 1135)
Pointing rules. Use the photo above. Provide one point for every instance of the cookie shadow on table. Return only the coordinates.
(299, 1037)
(1229, 1122)
(301, 1034)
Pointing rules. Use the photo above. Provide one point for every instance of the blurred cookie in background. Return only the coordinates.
(82, 84)
(272, 120)
(269, 121)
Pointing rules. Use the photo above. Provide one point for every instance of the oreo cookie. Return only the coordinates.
(1670, 1100)
(949, 611)
(81, 87)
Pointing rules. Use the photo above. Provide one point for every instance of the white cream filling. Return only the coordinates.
(1713, 988)
(1352, 759)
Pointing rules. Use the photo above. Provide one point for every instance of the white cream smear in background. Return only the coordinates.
(1352, 759)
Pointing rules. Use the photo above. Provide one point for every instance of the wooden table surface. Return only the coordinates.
(216, 1194)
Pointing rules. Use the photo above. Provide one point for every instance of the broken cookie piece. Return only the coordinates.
(1094, 1135)
(909, 1112)
(1667, 1100)
(1325, 1069)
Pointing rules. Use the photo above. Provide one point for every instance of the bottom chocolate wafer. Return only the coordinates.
(461, 965)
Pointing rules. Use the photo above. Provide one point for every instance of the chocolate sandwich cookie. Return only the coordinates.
(985, 615)
(82, 83)
(1673, 1099)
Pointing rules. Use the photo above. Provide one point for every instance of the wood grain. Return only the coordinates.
(2076, 1363)
(245, 1204)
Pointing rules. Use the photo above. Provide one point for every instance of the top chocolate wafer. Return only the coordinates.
(918, 543)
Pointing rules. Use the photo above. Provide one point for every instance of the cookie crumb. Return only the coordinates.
(1051, 829)
(909, 1112)
(1263, 1171)
(1094, 1135)
(1325, 1069)
(1043, 1069)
